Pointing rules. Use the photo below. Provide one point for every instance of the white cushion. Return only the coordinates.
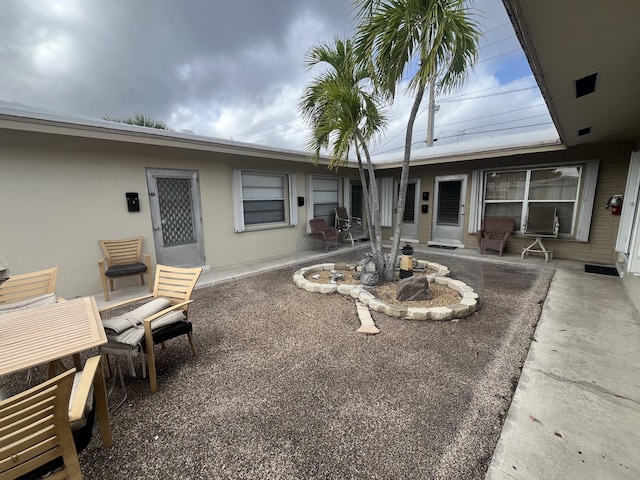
(40, 300)
(135, 317)
(78, 424)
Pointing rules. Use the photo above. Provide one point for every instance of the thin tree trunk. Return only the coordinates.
(404, 181)
(376, 239)
(365, 194)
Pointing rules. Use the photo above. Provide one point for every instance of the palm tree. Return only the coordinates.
(140, 120)
(344, 113)
(424, 41)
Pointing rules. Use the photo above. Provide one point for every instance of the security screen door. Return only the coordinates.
(174, 199)
(448, 212)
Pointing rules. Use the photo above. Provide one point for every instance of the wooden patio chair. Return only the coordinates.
(541, 222)
(162, 318)
(27, 289)
(494, 233)
(43, 429)
(322, 232)
(123, 258)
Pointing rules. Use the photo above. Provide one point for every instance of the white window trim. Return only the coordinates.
(585, 197)
(238, 208)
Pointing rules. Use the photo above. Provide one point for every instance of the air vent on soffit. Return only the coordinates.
(586, 85)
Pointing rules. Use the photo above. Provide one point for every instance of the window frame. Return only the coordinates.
(583, 203)
(290, 211)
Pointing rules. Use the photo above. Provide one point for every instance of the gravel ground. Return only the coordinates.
(283, 387)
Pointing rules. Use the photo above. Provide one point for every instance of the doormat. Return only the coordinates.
(601, 270)
(444, 247)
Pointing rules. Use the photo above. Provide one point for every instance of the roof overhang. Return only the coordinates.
(22, 119)
(568, 40)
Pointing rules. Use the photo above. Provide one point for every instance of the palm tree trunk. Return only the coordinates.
(404, 181)
(376, 238)
(365, 194)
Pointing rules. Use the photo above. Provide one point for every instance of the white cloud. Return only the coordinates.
(229, 69)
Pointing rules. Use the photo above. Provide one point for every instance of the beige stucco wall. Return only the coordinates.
(60, 194)
(614, 162)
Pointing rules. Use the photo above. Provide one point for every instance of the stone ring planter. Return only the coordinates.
(468, 304)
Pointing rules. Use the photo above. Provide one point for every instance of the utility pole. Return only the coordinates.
(433, 108)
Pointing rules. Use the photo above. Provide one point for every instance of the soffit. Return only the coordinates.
(569, 39)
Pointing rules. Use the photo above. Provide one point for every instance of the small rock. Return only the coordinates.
(369, 278)
(335, 276)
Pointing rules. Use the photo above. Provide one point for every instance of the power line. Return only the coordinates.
(471, 133)
(463, 121)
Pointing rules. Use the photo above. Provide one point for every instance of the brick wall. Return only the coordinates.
(612, 175)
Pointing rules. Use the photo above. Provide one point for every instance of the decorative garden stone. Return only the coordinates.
(369, 279)
(414, 288)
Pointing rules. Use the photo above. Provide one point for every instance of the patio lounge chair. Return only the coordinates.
(322, 232)
(494, 233)
(123, 258)
(164, 317)
(541, 222)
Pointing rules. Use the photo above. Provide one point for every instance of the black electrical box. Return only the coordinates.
(133, 203)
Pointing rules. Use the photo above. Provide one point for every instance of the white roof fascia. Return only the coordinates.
(535, 142)
(46, 122)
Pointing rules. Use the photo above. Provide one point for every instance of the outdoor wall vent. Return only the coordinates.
(586, 85)
(584, 131)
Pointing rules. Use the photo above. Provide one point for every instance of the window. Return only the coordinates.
(509, 193)
(263, 200)
(326, 198)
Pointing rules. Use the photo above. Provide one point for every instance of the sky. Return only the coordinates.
(235, 69)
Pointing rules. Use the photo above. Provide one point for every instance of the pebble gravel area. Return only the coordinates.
(283, 386)
(441, 295)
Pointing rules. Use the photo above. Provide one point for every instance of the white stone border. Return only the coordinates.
(468, 304)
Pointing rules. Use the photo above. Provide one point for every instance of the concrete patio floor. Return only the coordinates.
(576, 410)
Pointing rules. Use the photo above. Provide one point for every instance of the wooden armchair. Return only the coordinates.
(29, 288)
(494, 233)
(328, 236)
(43, 428)
(164, 317)
(123, 258)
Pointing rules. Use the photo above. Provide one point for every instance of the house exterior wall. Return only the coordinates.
(60, 194)
(612, 174)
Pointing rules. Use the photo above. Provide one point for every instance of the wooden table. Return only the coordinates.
(40, 335)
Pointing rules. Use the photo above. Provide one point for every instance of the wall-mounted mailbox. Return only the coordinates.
(301, 201)
(425, 196)
(133, 203)
(425, 208)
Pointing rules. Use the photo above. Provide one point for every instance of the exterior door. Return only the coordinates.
(448, 214)
(409, 230)
(174, 199)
